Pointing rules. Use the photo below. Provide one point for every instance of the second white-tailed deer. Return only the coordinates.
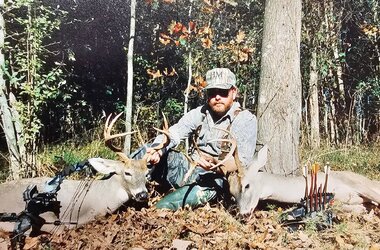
(81, 201)
(249, 186)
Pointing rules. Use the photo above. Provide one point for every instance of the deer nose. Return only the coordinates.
(142, 196)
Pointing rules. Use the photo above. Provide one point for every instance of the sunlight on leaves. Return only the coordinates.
(206, 43)
(164, 39)
(171, 73)
(240, 36)
(154, 74)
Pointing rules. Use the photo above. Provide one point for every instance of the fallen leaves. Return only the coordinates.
(210, 227)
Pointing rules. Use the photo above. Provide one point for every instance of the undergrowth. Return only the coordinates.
(364, 160)
(55, 157)
(360, 159)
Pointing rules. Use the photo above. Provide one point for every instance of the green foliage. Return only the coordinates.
(341, 228)
(371, 87)
(32, 80)
(174, 108)
(271, 207)
(54, 158)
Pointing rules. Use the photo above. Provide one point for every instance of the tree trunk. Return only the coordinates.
(326, 116)
(337, 101)
(190, 73)
(315, 139)
(129, 103)
(279, 107)
(7, 118)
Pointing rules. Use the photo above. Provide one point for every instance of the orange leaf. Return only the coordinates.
(172, 73)
(154, 74)
(206, 43)
(191, 88)
(192, 25)
(243, 57)
(207, 2)
(208, 10)
(240, 36)
(184, 29)
(165, 36)
(206, 30)
(244, 54)
(200, 81)
(177, 27)
(247, 50)
(164, 39)
(183, 37)
(222, 47)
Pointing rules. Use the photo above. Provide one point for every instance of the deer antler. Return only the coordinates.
(108, 137)
(232, 153)
(228, 156)
(165, 131)
(165, 141)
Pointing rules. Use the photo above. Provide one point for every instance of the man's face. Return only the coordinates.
(220, 100)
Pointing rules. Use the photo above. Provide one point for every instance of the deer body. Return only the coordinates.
(81, 201)
(248, 186)
(352, 189)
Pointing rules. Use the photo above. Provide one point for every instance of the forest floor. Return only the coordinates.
(214, 227)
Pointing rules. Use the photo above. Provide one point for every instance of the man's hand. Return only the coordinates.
(205, 162)
(230, 165)
(154, 156)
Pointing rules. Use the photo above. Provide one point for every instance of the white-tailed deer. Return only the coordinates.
(248, 186)
(81, 201)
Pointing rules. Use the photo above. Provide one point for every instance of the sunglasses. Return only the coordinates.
(220, 92)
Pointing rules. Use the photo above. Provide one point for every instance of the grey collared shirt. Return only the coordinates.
(242, 123)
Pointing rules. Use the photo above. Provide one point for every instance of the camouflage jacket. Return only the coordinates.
(241, 123)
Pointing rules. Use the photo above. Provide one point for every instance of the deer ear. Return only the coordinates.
(260, 159)
(105, 166)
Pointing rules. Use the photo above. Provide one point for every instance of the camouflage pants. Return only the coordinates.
(201, 187)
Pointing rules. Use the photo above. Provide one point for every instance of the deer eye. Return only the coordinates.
(127, 174)
(246, 186)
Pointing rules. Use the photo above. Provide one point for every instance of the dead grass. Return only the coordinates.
(363, 160)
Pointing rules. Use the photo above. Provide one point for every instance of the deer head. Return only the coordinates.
(132, 173)
(244, 184)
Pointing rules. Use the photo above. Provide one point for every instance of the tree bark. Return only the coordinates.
(315, 138)
(129, 102)
(279, 107)
(7, 119)
(190, 73)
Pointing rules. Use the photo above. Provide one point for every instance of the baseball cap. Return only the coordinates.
(220, 78)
